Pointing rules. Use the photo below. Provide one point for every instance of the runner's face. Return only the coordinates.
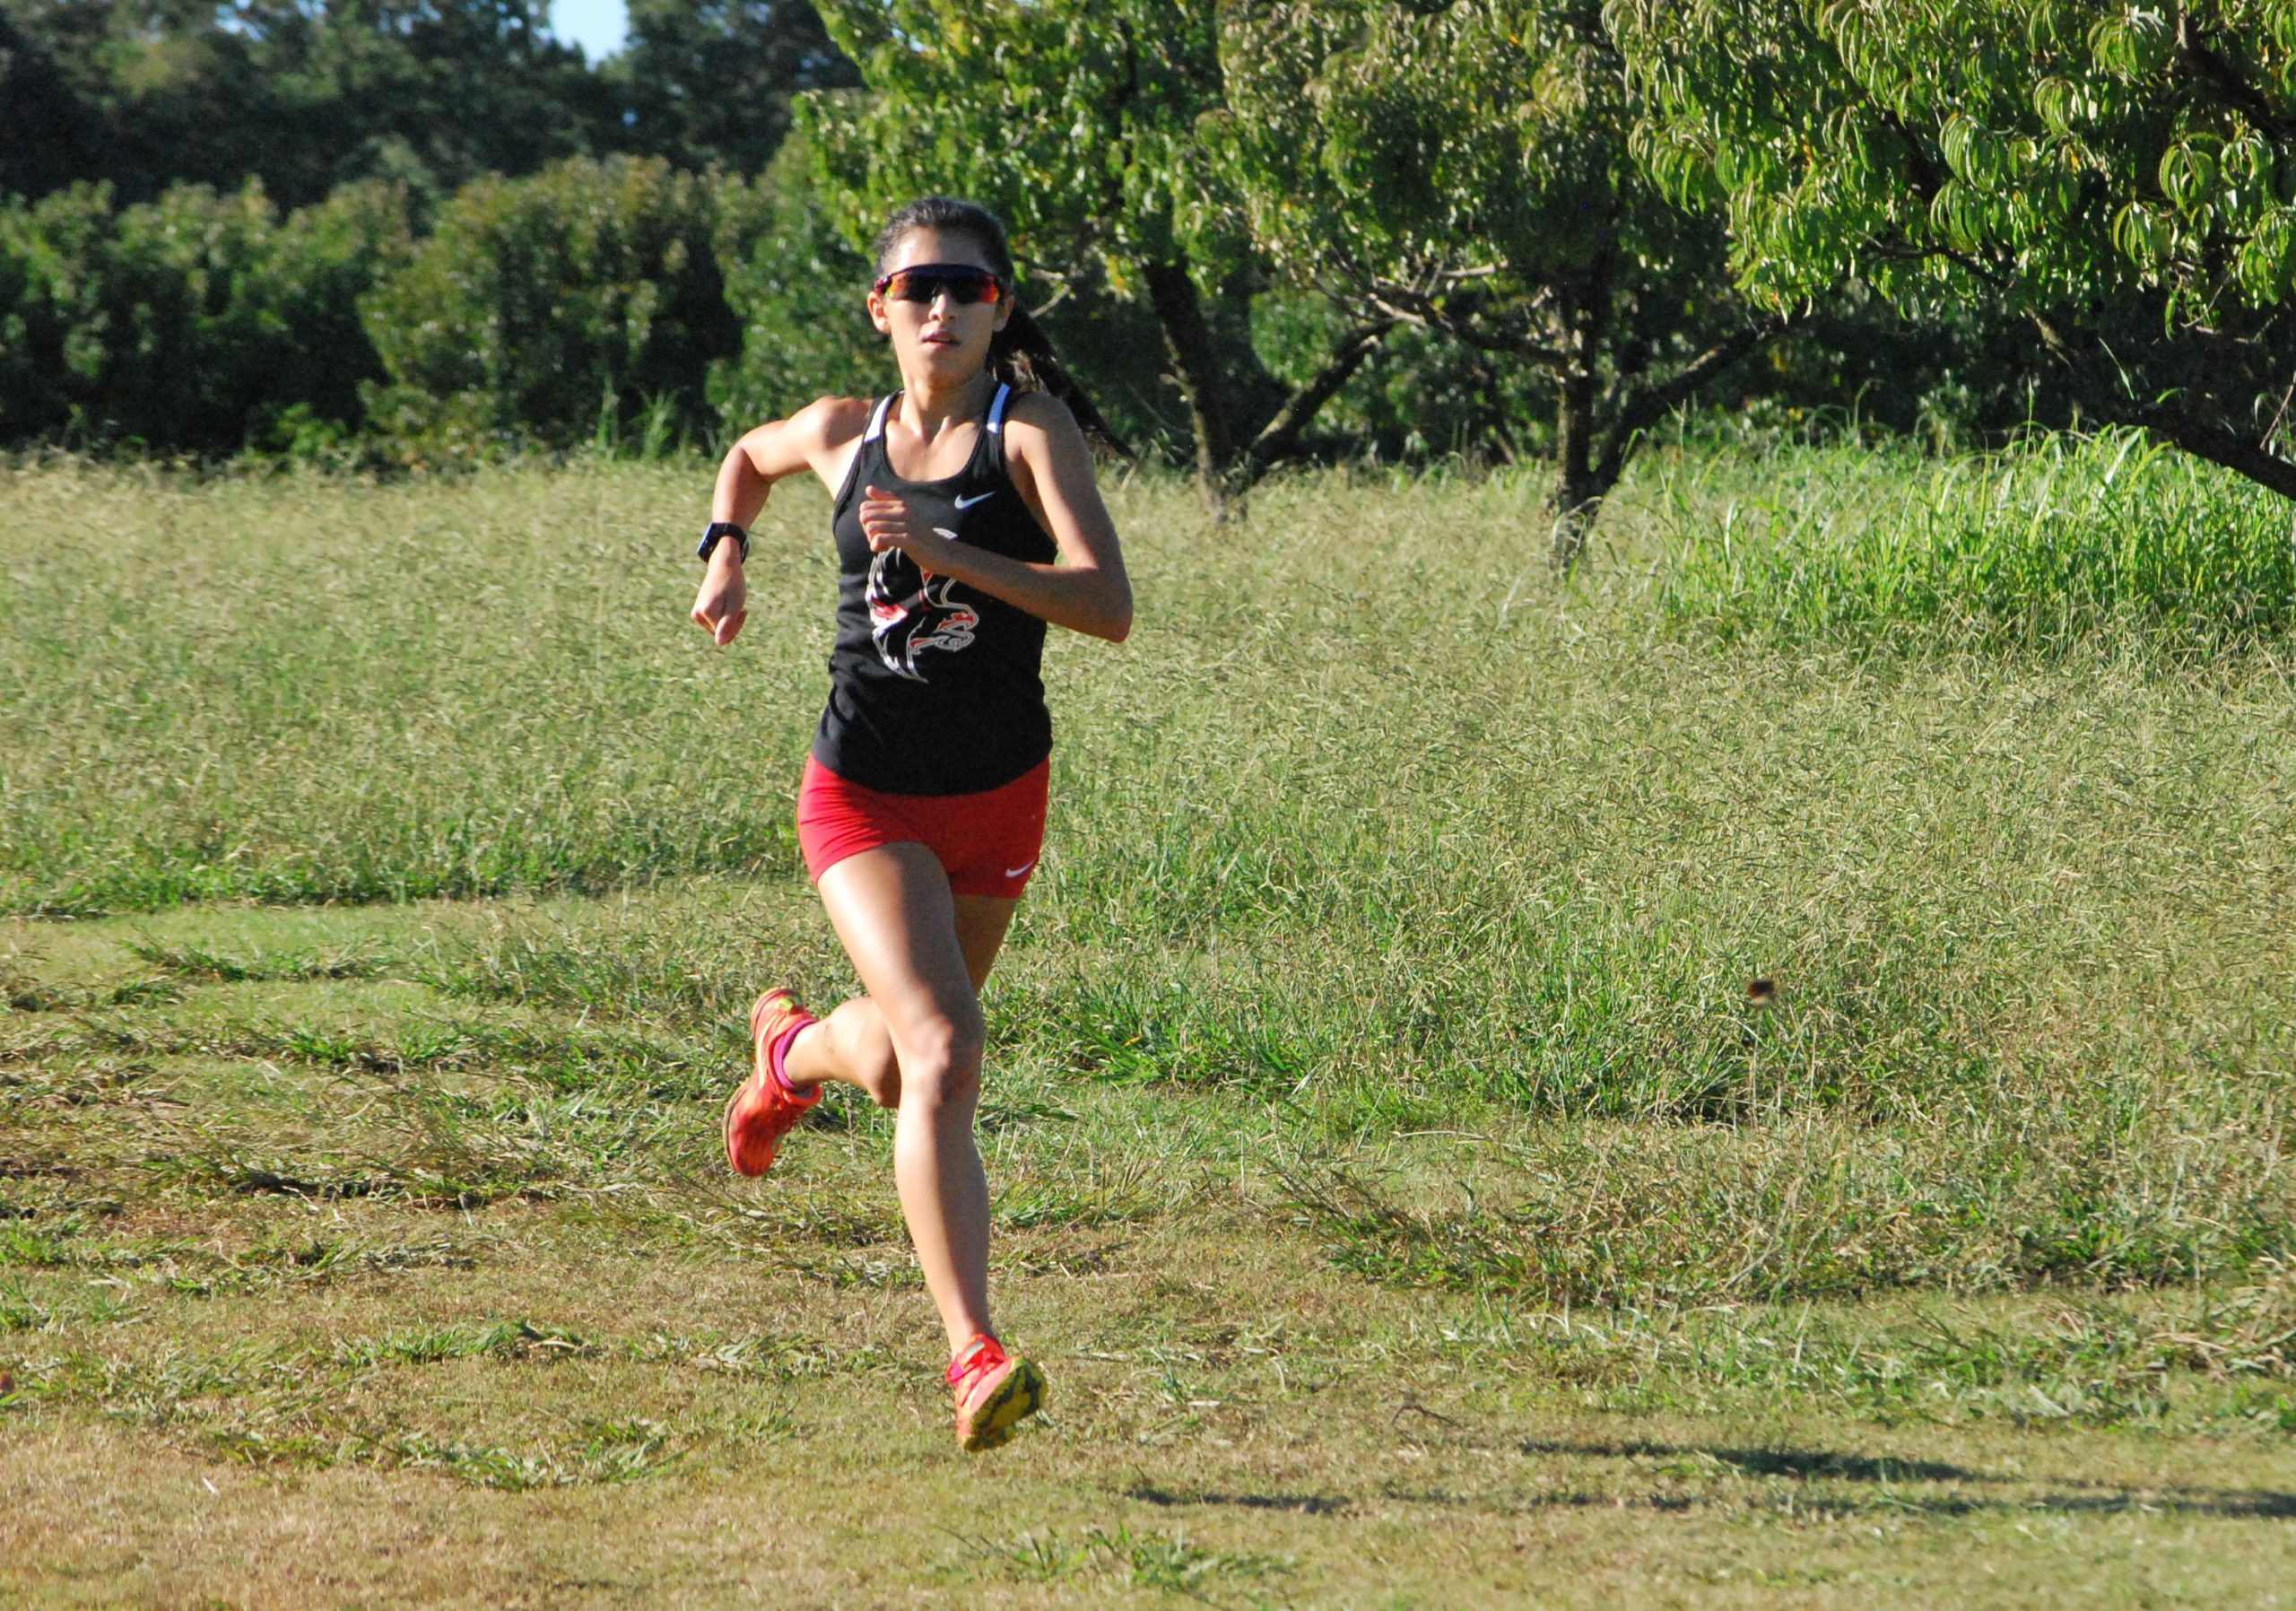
(944, 338)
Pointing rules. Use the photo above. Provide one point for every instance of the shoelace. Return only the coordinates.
(983, 1352)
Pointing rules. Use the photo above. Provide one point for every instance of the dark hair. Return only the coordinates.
(1019, 354)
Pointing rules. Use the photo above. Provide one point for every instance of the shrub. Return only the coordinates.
(796, 286)
(198, 322)
(553, 309)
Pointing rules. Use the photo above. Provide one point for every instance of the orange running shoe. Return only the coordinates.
(767, 1104)
(995, 1393)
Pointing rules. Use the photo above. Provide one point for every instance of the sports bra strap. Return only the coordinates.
(876, 432)
(997, 408)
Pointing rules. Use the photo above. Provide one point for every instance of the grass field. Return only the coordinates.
(1409, 1200)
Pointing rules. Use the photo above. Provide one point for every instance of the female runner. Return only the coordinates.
(966, 518)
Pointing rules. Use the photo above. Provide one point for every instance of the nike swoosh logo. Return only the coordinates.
(1024, 866)
(976, 498)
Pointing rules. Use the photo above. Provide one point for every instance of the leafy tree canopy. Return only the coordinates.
(711, 81)
(1078, 121)
(307, 94)
(2121, 176)
(1465, 168)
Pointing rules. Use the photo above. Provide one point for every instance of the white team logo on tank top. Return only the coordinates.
(912, 610)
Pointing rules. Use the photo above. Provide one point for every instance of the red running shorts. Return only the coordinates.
(986, 842)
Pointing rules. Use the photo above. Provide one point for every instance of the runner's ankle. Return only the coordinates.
(782, 1056)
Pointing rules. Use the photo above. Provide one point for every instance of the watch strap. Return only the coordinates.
(717, 532)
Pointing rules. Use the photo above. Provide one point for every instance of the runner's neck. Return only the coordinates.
(929, 414)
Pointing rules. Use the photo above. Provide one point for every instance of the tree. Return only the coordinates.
(1077, 120)
(553, 308)
(2119, 176)
(48, 137)
(1465, 168)
(708, 81)
(307, 94)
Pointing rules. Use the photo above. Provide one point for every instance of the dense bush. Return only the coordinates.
(554, 310)
(198, 321)
(797, 288)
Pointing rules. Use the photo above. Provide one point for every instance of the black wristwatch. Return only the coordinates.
(716, 532)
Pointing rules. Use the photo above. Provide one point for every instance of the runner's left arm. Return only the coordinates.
(1086, 590)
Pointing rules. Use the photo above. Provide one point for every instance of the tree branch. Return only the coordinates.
(1403, 305)
(2218, 446)
(2227, 80)
(1646, 406)
(2180, 426)
(1280, 438)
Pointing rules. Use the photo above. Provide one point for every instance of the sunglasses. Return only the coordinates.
(963, 283)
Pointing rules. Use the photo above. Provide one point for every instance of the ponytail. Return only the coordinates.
(1019, 355)
(1022, 359)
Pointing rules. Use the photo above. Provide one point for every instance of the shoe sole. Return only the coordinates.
(726, 1129)
(1016, 1397)
(725, 1125)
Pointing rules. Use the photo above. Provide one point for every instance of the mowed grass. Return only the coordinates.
(1411, 1200)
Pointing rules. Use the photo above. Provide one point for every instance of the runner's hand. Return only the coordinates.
(886, 521)
(723, 604)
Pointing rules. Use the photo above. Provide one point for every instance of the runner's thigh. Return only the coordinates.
(892, 908)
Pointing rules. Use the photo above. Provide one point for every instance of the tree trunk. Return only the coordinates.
(1578, 495)
(1195, 361)
(1279, 439)
(1245, 421)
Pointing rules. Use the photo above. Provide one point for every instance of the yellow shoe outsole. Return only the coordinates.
(1017, 1397)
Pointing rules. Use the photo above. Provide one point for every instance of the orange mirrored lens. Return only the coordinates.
(925, 282)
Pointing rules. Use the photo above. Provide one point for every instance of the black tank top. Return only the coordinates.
(934, 687)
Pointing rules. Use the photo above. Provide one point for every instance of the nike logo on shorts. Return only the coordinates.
(1024, 866)
(976, 498)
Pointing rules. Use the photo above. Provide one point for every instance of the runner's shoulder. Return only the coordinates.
(830, 421)
(820, 429)
(1042, 409)
(1045, 425)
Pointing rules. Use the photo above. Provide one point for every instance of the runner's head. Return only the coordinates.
(936, 231)
(942, 300)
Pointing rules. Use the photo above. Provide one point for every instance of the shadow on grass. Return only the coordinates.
(1306, 1504)
(1802, 1464)
(1778, 1462)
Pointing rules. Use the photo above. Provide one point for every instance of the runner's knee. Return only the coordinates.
(940, 1057)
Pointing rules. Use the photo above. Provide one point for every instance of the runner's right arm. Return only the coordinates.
(779, 447)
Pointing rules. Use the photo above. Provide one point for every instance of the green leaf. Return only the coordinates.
(2266, 265)
(2187, 174)
(2058, 102)
(2280, 23)
(2141, 234)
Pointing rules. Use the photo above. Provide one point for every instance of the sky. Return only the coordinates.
(597, 26)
